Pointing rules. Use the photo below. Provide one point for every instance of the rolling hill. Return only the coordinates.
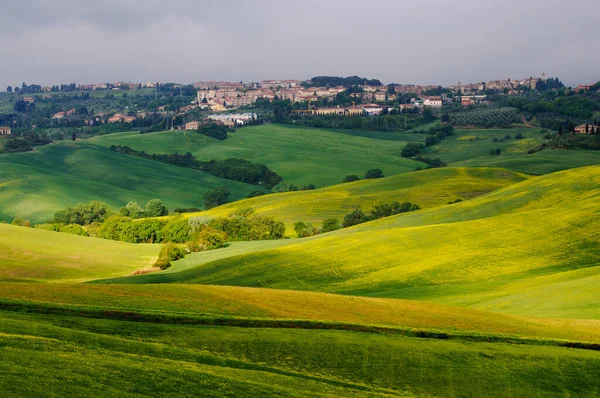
(476, 253)
(427, 188)
(301, 156)
(28, 254)
(34, 185)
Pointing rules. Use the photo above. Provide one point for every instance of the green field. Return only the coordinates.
(46, 256)
(427, 188)
(527, 240)
(475, 144)
(495, 296)
(301, 156)
(34, 185)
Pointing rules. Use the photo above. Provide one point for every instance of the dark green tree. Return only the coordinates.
(217, 197)
(373, 173)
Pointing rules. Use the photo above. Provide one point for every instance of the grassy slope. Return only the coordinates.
(33, 254)
(300, 155)
(427, 188)
(36, 184)
(543, 162)
(74, 356)
(543, 229)
(467, 144)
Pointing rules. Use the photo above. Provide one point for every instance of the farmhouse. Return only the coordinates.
(58, 115)
(586, 129)
(4, 131)
(434, 102)
(192, 125)
(328, 111)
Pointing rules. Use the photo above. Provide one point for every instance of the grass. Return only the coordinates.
(544, 162)
(76, 355)
(79, 356)
(427, 188)
(474, 144)
(45, 256)
(477, 253)
(301, 156)
(35, 185)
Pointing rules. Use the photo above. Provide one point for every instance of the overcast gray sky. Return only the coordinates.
(404, 41)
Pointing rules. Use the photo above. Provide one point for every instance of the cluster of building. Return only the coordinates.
(4, 131)
(228, 119)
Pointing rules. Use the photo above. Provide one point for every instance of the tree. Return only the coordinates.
(428, 114)
(330, 224)
(20, 106)
(411, 149)
(351, 178)
(445, 118)
(9, 89)
(498, 151)
(373, 173)
(132, 209)
(156, 208)
(73, 136)
(217, 197)
(354, 218)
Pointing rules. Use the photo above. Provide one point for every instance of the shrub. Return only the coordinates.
(208, 239)
(176, 230)
(74, 229)
(305, 229)
(374, 173)
(156, 208)
(83, 214)
(50, 227)
(21, 223)
(168, 253)
(133, 210)
(217, 197)
(351, 178)
(354, 218)
(112, 227)
(330, 224)
(412, 149)
(256, 193)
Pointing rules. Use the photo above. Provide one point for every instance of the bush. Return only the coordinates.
(217, 197)
(156, 208)
(21, 223)
(133, 210)
(351, 178)
(354, 218)
(305, 229)
(208, 239)
(176, 230)
(168, 253)
(83, 214)
(411, 149)
(74, 229)
(256, 193)
(50, 227)
(373, 173)
(330, 224)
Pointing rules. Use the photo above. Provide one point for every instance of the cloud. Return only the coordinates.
(426, 41)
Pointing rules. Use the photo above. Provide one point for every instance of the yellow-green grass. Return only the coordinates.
(487, 247)
(68, 355)
(45, 256)
(301, 156)
(428, 188)
(180, 141)
(260, 303)
(543, 162)
(475, 144)
(35, 185)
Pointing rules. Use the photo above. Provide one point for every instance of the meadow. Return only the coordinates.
(301, 156)
(495, 296)
(34, 185)
(527, 240)
(427, 188)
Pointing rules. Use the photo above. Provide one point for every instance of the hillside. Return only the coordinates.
(44, 256)
(34, 185)
(427, 188)
(474, 253)
(301, 156)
